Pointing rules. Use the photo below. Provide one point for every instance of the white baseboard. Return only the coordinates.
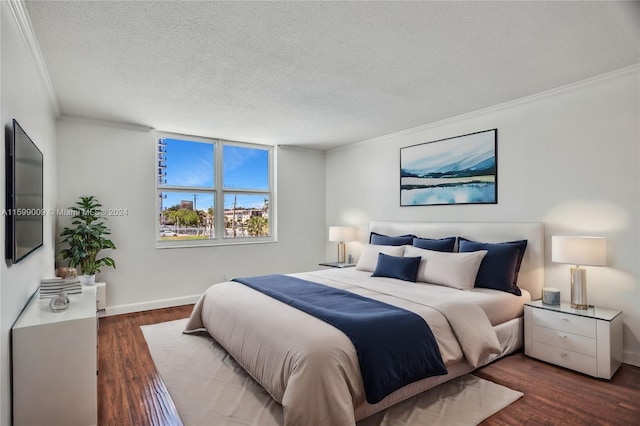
(632, 358)
(154, 304)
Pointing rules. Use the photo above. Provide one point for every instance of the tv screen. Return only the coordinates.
(24, 199)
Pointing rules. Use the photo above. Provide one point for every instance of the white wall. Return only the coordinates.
(117, 164)
(569, 158)
(24, 98)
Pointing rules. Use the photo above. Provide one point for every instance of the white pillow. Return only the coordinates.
(457, 270)
(369, 257)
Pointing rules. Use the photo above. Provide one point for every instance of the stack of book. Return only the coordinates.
(50, 287)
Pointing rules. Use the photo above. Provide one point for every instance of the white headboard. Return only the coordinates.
(531, 276)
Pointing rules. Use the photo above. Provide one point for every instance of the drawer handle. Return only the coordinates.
(563, 354)
(563, 336)
(564, 319)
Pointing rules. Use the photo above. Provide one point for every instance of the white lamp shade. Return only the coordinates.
(342, 233)
(585, 251)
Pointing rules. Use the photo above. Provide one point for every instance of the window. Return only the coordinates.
(213, 191)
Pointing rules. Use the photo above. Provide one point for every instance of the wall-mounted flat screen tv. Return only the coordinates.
(24, 195)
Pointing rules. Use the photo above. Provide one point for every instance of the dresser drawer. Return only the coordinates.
(565, 358)
(564, 322)
(564, 340)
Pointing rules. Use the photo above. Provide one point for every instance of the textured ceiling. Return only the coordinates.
(320, 74)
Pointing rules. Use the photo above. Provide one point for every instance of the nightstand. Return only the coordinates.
(584, 340)
(338, 265)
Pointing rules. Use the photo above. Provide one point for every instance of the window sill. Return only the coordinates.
(215, 243)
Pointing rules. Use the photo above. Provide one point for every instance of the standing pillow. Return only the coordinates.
(386, 240)
(402, 268)
(442, 244)
(369, 257)
(500, 267)
(457, 270)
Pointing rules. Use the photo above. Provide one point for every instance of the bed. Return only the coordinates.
(313, 369)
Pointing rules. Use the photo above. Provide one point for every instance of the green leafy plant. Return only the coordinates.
(87, 237)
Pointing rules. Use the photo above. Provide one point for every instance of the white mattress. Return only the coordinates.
(499, 306)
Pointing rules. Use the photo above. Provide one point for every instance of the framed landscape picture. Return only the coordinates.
(458, 170)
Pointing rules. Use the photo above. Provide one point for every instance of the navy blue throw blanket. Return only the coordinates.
(395, 347)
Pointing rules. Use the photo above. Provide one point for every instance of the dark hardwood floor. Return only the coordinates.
(557, 396)
(130, 392)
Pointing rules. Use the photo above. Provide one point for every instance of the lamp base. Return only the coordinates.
(342, 252)
(579, 288)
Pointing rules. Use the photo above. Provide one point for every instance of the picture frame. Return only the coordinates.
(457, 170)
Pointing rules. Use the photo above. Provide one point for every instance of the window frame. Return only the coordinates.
(218, 192)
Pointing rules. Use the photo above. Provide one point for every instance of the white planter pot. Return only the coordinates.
(87, 280)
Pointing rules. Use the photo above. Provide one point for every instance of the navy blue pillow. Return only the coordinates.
(402, 268)
(385, 240)
(500, 266)
(443, 244)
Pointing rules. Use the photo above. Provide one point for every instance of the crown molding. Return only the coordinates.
(300, 148)
(21, 17)
(631, 69)
(105, 123)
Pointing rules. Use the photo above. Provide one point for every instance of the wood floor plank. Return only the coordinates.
(130, 392)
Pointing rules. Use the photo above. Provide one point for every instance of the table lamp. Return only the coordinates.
(585, 251)
(341, 234)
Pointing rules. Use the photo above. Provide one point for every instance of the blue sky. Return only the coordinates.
(189, 163)
(245, 168)
(192, 164)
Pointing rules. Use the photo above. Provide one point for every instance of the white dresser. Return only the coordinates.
(584, 340)
(55, 363)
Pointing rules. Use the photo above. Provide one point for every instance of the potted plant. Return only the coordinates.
(86, 239)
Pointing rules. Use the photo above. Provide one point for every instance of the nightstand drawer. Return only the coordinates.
(565, 358)
(564, 322)
(563, 340)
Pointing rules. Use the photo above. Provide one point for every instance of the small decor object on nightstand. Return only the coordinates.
(66, 272)
(550, 296)
(59, 303)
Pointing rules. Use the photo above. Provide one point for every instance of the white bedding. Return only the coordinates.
(499, 306)
(311, 367)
